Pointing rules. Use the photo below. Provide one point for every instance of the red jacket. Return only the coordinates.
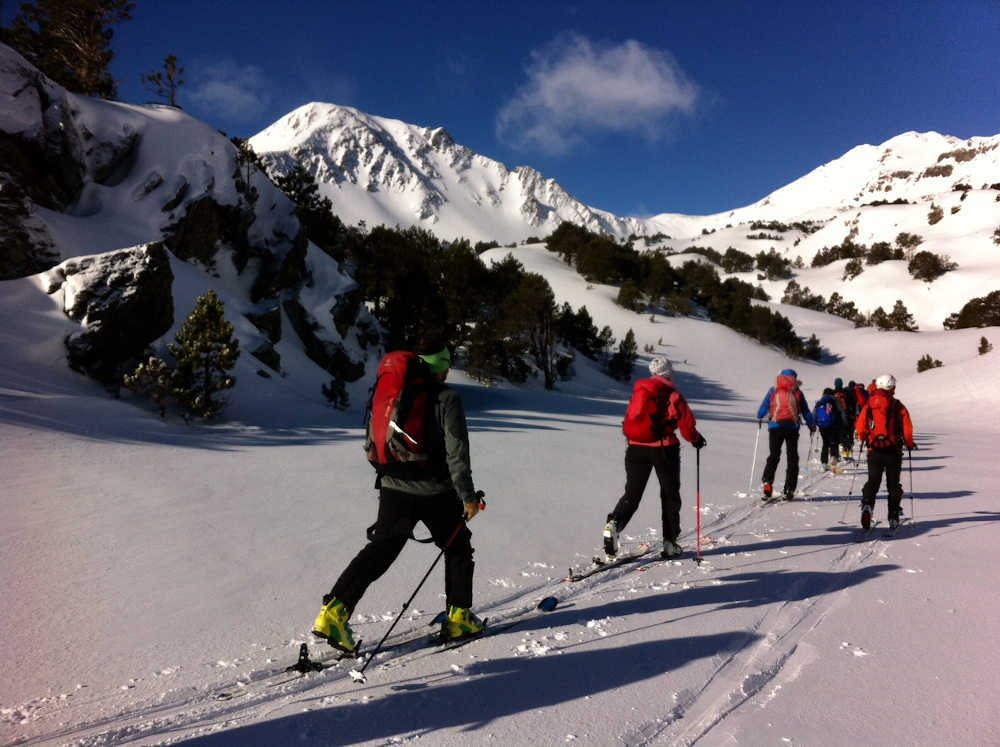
(677, 410)
(883, 400)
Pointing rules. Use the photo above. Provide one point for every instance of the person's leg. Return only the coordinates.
(792, 460)
(638, 465)
(442, 515)
(386, 539)
(774, 440)
(893, 484)
(667, 463)
(876, 465)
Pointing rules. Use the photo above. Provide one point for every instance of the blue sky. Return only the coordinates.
(634, 107)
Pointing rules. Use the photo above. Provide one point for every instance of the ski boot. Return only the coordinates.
(767, 490)
(331, 625)
(611, 539)
(671, 550)
(461, 623)
(789, 494)
(866, 517)
(894, 522)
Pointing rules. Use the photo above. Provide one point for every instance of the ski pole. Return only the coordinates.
(358, 675)
(847, 503)
(909, 459)
(753, 467)
(697, 482)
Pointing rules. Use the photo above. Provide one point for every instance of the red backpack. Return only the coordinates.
(650, 416)
(785, 401)
(883, 421)
(402, 400)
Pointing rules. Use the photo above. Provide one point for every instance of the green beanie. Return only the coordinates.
(438, 362)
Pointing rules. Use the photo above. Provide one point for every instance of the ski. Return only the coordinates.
(546, 605)
(891, 532)
(863, 535)
(302, 667)
(601, 564)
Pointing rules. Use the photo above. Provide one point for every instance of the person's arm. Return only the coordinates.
(765, 406)
(904, 416)
(456, 445)
(686, 423)
(804, 407)
(861, 424)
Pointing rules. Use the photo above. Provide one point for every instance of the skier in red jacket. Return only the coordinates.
(884, 425)
(655, 411)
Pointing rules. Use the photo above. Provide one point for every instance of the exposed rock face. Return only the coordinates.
(123, 299)
(327, 354)
(27, 246)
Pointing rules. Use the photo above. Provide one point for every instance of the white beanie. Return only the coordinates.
(660, 366)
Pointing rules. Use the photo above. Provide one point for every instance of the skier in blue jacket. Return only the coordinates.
(785, 406)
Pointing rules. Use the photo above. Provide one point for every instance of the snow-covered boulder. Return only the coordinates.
(124, 302)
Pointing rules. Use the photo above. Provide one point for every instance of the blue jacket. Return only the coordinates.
(765, 410)
(838, 415)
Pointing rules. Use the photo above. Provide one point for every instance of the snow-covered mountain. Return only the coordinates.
(383, 170)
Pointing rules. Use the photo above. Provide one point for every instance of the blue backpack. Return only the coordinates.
(826, 413)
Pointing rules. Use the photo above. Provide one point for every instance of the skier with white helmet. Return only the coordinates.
(884, 425)
(655, 411)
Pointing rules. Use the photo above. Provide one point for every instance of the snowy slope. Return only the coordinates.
(148, 566)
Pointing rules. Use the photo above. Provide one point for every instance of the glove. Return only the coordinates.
(700, 442)
(474, 506)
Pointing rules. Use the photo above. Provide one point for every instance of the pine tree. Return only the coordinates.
(151, 379)
(813, 350)
(164, 83)
(984, 346)
(900, 318)
(927, 362)
(70, 41)
(621, 363)
(204, 351)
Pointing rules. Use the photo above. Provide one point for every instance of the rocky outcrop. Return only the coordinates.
(123, 300)
(327, 354)
(27, 246)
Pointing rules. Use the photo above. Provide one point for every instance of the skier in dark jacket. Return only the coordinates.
(784, 405)
(443, 499)
(829, 419)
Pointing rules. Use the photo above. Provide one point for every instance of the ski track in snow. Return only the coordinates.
(747, 675)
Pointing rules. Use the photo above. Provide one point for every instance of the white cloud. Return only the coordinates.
(576, 86)
(236, 92)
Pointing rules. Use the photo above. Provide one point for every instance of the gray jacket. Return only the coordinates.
(451, 439)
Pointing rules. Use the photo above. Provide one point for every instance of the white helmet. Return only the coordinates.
(886, 382)
(660, 366)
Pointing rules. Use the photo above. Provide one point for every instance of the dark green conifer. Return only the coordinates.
(205, 351)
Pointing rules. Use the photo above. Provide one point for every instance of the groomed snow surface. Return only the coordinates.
(148, 566)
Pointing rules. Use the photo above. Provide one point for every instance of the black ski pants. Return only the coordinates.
(889, 461)
(640, 461)
(830, 434)
(790, 438)
(398, 514)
